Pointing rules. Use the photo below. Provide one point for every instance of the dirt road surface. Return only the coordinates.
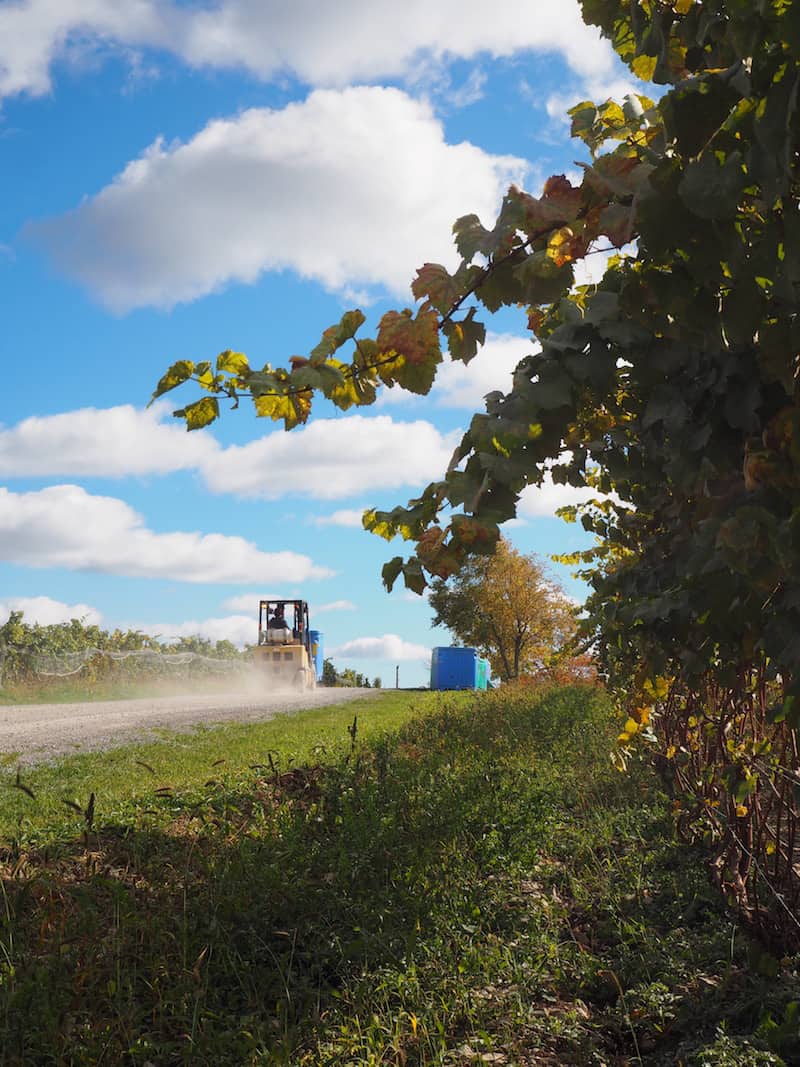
(36, 732)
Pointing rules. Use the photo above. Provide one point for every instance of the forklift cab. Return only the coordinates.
(283, 622)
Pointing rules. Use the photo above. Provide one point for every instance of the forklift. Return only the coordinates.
(284, 651)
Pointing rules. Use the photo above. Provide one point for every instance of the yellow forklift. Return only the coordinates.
(284, 651)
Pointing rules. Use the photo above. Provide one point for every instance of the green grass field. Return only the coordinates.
(458, 880)
(203, 760)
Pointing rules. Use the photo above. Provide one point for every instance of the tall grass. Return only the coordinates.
(475, 884)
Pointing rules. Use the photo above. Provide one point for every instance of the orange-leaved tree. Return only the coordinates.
(505, 606)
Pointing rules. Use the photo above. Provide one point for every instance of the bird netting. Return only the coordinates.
(63, 664)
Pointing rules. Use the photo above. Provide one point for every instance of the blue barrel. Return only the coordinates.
(317, 655)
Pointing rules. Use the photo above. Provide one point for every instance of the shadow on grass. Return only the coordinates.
(437, 885)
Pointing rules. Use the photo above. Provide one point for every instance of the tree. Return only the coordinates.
(673, 383)
(329, 676)
(504, 606)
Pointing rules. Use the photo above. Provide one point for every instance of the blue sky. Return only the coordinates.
(181, 178)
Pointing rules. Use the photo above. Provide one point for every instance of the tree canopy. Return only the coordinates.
(672, 383)
(505, 606)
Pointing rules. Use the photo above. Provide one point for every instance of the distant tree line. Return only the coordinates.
(347, 677)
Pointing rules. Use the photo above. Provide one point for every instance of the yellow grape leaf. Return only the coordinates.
(561, 246)
(383, 528)
(657, 687)
(770, 848)
(683, 6)
(199, 414)
(232, 362)
(204, 375)
(741, 810)
(644, 67)
(179, 372)
(631, 726)
(670, 753)
(293, 409)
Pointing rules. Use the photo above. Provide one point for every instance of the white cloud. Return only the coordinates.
(45, 611)
(240, 630)
(327, 459)
(390, 647)
(344, 517)
(538, 501)
(33, 33)
(321, 44)
(332, 458)
(351, 188)
(248, 602)
(64, 526)
(112, 442)
(411, 597)
(335, 605)
(470, 91)
(461, 385)
(590, 269)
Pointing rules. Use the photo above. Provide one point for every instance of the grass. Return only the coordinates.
(466, 881)
(203, 760)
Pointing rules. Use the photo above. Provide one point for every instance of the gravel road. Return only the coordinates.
(39, 732)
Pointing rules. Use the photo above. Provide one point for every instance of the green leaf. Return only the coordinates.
(554, 388)
(692, 114)
(742, 312)
(541, 281)
(472, 237)
(391, 571)
(464, 338)
(711, 188)
(335, 336)
(585, 123)
(617, 223)
(666, 405)
(414, 576)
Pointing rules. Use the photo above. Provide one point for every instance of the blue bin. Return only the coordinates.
(457, 668)
(317, 655)
(484, 673)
